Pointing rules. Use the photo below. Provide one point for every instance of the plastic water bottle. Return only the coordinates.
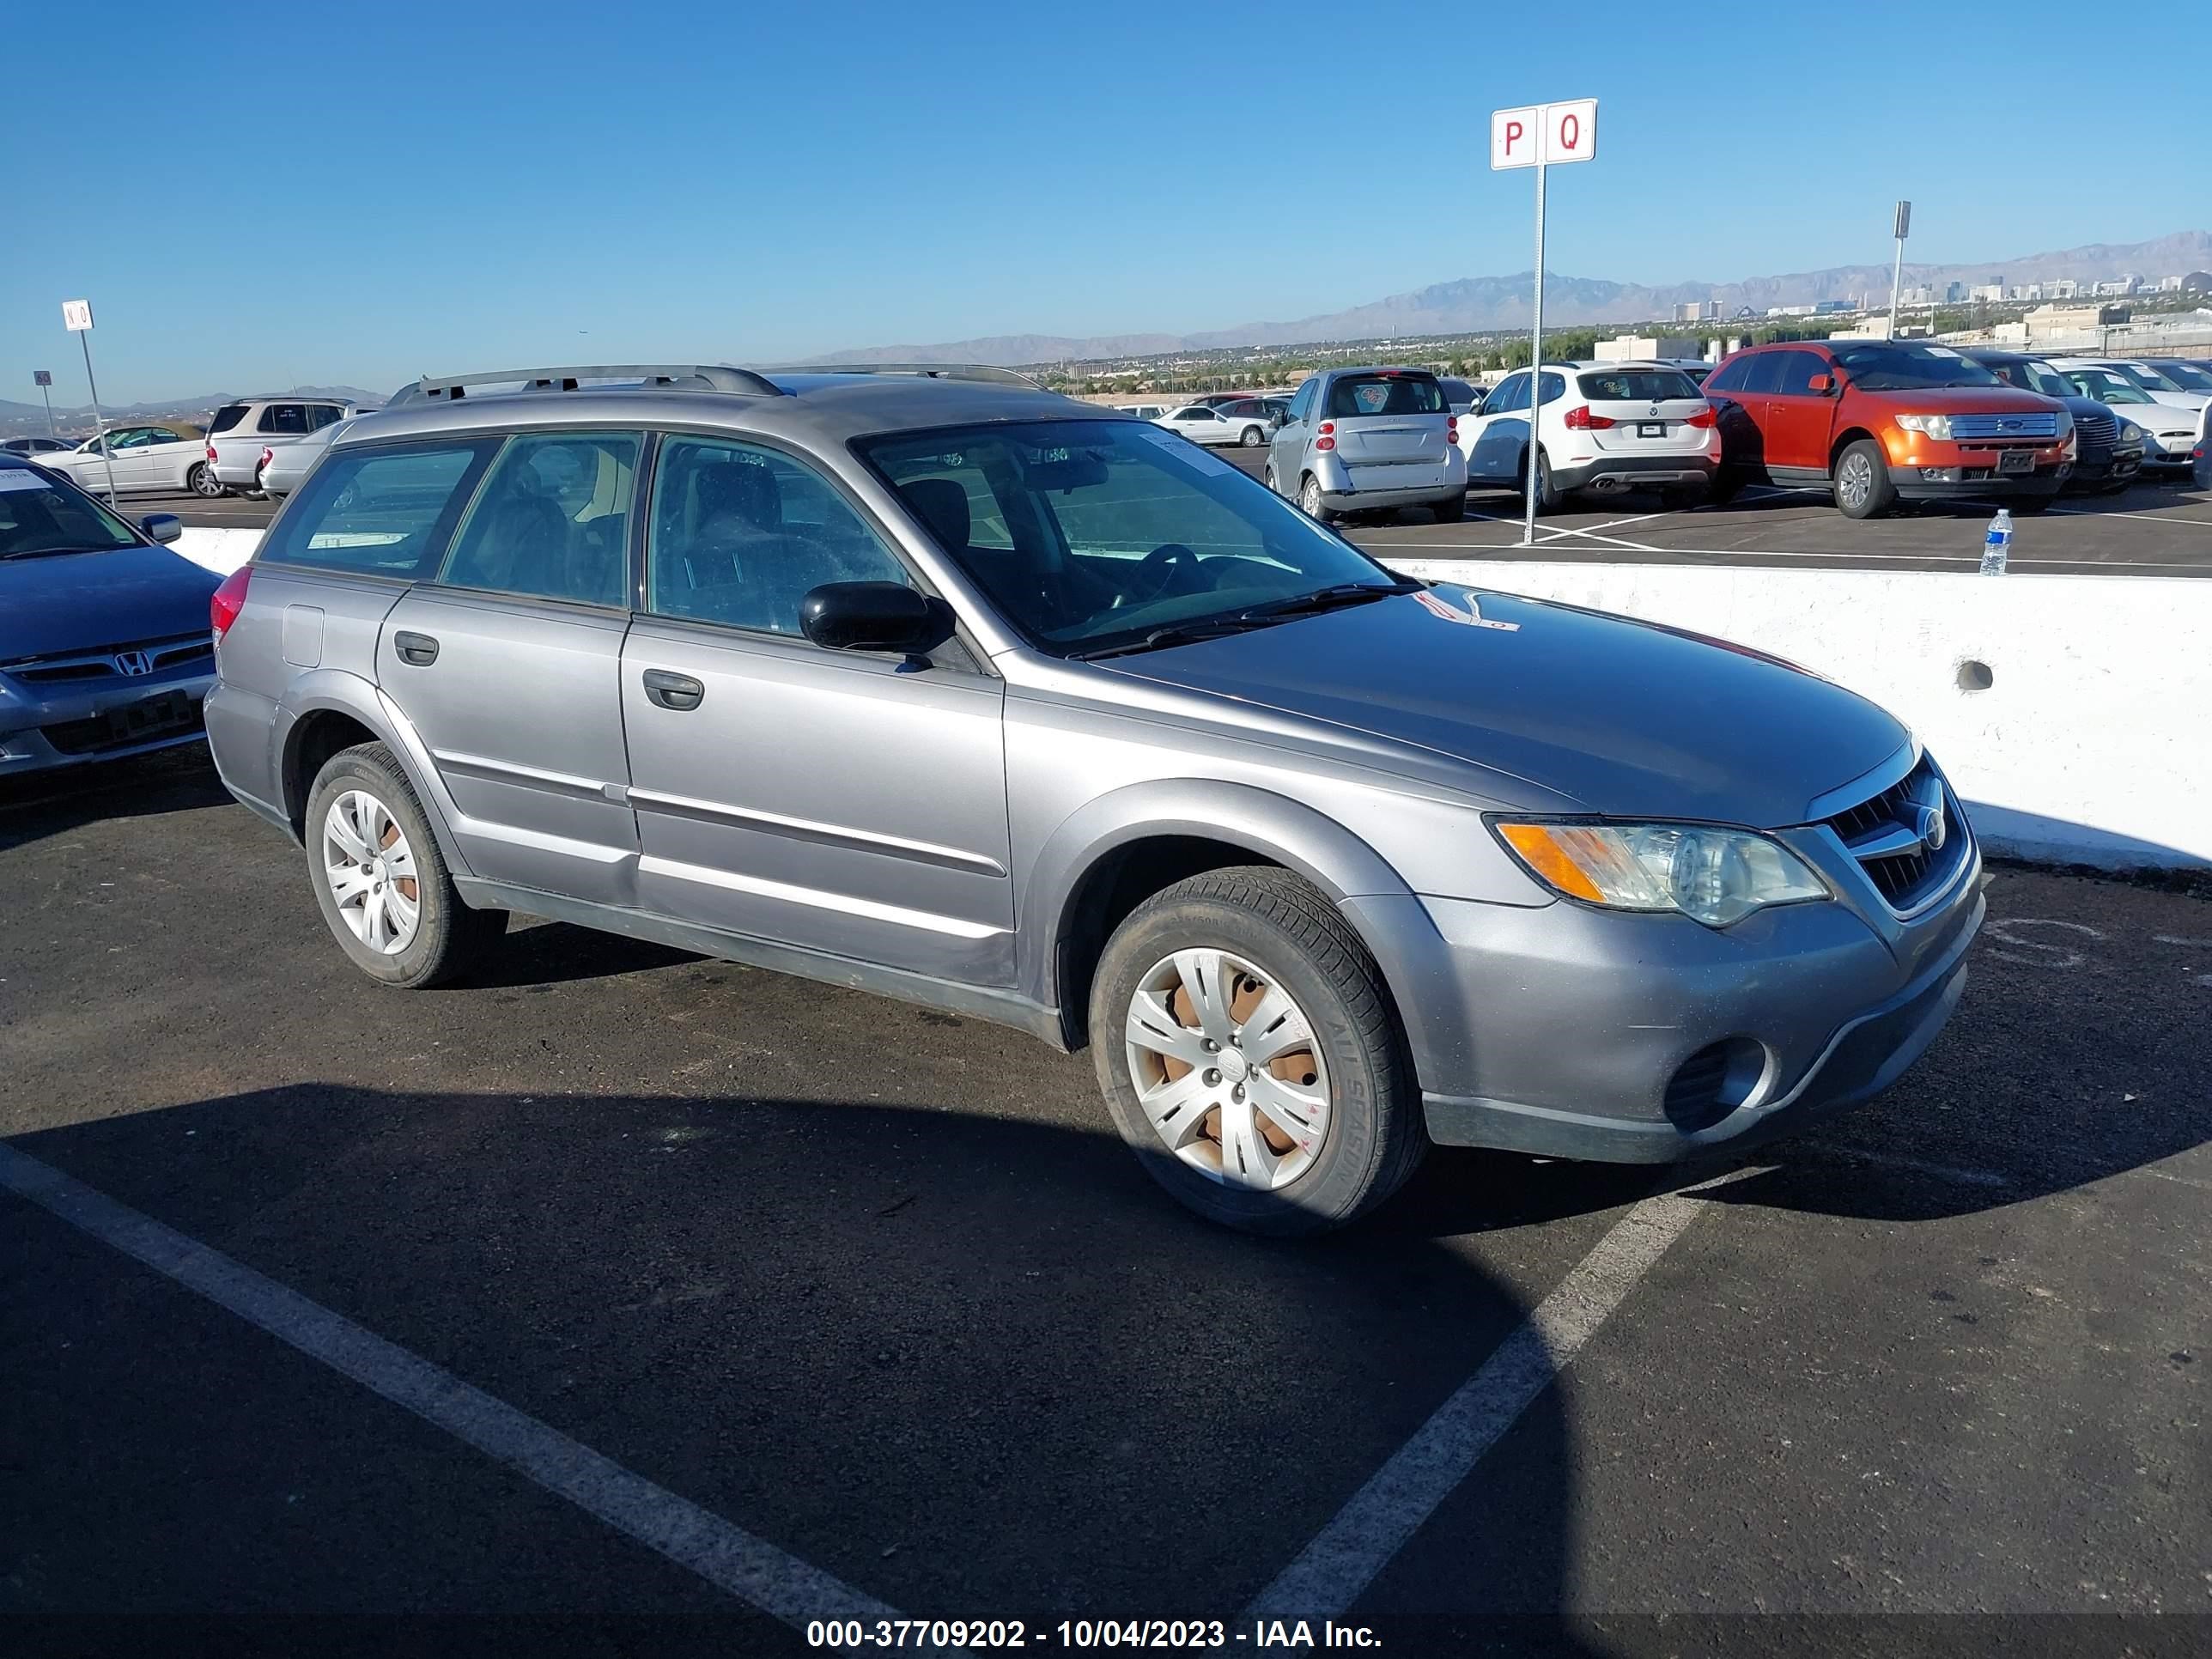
(1997, 543)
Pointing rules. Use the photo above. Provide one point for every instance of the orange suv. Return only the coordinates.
(1879, 421)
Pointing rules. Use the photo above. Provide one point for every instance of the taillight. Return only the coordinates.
(1328, 438)
(1707, 417)
(227, 601)
(1451, 428)
(1579, 419)
(211, 451)
(267, 456)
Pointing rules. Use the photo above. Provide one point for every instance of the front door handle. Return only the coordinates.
(679, 692)
(419, 649)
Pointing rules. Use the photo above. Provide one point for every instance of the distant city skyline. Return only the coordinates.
(680, 182)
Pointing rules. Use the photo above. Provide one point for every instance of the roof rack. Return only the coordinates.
(674, 377)
(988, 373)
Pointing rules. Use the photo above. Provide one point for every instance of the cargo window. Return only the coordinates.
(384, 511)
(226, 417)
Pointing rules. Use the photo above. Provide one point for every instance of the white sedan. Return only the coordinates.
(145, 459)
(1203, 425)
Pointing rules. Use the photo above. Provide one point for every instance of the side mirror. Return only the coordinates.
(1822, 384)
(162, 526)
(872, 617)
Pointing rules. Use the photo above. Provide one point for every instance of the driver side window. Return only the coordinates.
(1302, 405)
(1512, 393)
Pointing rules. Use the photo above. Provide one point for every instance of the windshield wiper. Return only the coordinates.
(1327, 599)
(1187, 633)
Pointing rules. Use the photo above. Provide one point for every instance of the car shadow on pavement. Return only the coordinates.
(534, 954)
(966, 1363)
(35, 806)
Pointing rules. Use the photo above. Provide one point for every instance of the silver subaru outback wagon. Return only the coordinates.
(936, 684)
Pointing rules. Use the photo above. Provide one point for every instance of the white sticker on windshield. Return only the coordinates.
(1941, 351)
(1187, 452)
(14, 477)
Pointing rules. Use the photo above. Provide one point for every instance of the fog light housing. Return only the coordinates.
(1940, 474)
(1713, 1082)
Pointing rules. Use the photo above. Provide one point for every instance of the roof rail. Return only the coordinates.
(988, 373)
(677, 377)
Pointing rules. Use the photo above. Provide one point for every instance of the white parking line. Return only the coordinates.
(2021, 565)
(726, 1556)
(1343, 1558)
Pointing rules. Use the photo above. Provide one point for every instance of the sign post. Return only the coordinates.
(76, 317)
(1900, 227)
(43, 378)
(1539, 135)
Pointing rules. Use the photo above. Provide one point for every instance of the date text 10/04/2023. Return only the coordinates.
(1085, 1634)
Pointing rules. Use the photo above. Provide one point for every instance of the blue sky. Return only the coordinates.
(352, 194)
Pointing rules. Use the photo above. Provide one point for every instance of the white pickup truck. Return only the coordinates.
(240, 432)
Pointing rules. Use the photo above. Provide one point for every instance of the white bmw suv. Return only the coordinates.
(1600, 427)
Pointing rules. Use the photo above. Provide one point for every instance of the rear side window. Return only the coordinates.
(1636, 386)
(1356, 395)
(552, 522)
(284, 418)
(226, 417)
(385, 511)
(322, 415)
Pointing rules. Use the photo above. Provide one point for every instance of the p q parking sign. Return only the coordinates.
(1549, 133)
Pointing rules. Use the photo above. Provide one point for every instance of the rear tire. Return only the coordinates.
(1310, 503)
(1450, 512)
(1862, 480)
(202, 482)
(1253, 437)
(1263, 936)
(1549, 499)
(446, 936)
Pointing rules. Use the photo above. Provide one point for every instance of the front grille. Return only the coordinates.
(2098, 432)
(1889, 837)
(2026, 424)
(76, 667)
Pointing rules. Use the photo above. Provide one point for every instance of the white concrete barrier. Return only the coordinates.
(2073, 713)
(220, 551)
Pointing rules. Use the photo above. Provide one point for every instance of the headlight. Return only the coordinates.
(2065, 422)
(1714, 876)
(1934, 426)
(2130, 433)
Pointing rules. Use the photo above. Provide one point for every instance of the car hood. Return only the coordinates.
(1962, 400)
(1624, 718)
(66, 602)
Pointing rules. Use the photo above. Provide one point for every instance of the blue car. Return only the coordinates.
(105, 648)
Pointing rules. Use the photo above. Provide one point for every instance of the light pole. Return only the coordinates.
(1901, 226)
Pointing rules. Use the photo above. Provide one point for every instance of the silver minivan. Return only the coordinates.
(1370, 440)
(935, 685)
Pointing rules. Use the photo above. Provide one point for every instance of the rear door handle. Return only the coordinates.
(679, 692)
(419, 649)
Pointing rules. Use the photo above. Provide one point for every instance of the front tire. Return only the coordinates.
(1862, 480)
(202, 482)
(1247, 1051)
(380, 879)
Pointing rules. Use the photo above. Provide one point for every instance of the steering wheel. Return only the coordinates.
(1164, 568)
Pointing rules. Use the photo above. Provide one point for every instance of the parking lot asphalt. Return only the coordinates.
(2155, 529)
(857, 1290)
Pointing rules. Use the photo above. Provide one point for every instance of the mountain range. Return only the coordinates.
(1474, 305)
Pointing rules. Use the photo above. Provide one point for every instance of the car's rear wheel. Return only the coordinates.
(1451, 510)
(1862, 485)
(1310, 500)
(1253, 437)
(380, 879)
(1548, 494)
(202, 481)
(1249, 1054)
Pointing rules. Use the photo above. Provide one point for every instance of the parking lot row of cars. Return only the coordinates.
(1875, 422)
(264, 444)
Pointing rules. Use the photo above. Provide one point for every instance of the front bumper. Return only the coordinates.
(2094, 471)
(131, 717)
(1565, 1024)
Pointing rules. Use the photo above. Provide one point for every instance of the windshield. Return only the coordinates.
(2041, 377)
(40, 516)
(2190, 377)
(1089, 535)
(2146, 377)
(1353, 395)
(2106, 387)
(1636, 386)
(1882, 366)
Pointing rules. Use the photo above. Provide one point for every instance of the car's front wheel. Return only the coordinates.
(1249, 1056)
(1862, 485)
(202, 481)
(1253, 437)
(380, 879)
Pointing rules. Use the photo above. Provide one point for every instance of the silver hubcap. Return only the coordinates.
(1858, 481)
(1310, 499)
(1228, 1070)
(203, 482)
(371, 872)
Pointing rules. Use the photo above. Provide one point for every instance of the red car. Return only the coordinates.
(1880, 421)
